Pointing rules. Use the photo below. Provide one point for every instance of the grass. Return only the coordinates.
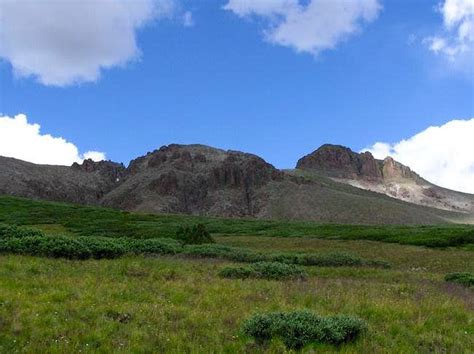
(94, 221)
(180, 303)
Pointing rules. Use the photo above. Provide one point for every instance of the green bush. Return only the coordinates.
(103, 247)
(299, 328)
(49, 246)
(235, 272)
(86, 247)
(7, 231)
(277, 270)
(157, 246)
(335, 259)
(265, 270)
(463, 278)
(195, 235)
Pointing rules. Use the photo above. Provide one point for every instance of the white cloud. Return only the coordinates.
(188, 20)
(24, 141)
(63, 42)
(457, 38)
(313, 26)
(443, 155)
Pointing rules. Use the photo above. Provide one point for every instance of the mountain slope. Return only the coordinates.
(201, 180)
(388, 177)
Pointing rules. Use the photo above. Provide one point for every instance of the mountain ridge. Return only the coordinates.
(202, 180)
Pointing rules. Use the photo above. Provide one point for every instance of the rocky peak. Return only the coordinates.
(395, 170)
(112, 171)
(225, 166)
(341, 162)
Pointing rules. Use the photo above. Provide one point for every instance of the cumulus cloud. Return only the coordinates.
(64, 42)
(310, 26)
(443, 154)
(24, 141)
(457, 37)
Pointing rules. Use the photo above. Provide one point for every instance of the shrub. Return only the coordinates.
(157, 246)
(195, 235)
(49, 246)
(264, 270)
(8, 231)
(224, 252)
(102, 247)
(277, 270)
(235, 272)
(299, 328)
(463, 278)
(335, 259)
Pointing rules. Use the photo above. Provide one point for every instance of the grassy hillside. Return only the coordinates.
(93, 221)
(174, 298)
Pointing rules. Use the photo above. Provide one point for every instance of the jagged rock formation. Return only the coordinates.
(386, 176)
(201, 180)
(195, 179)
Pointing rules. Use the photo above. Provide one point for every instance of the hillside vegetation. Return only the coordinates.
(94, 221)
(88, 279)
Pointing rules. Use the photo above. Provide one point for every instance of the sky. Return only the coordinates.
(115, 79)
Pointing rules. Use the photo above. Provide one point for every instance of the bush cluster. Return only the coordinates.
(333, 259)
(195, 235)
(463, 278)
(265, 270)
(35, 243)
(7, 231)
(299, 328)
(21, 240)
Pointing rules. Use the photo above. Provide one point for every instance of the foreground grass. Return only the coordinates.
(61, 218)
(180, 305)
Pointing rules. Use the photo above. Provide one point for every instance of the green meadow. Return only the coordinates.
(148, 300)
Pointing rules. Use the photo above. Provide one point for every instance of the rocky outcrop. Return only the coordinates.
(341, 162)
(195, 179)
(386, 176)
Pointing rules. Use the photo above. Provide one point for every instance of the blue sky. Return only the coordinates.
(219, 81)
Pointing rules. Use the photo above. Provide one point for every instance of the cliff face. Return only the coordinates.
(341, 162)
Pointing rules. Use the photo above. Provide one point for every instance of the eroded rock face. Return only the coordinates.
(111, 171)
(341, 162)
(196, 179)
(395, 170)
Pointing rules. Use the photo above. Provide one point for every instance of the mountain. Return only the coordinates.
(201, 180)
(81, 184)
(386, 176)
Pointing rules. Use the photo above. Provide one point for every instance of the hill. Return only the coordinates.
(205, 181)
(386, 176)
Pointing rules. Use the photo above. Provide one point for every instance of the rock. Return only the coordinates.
(341, 162)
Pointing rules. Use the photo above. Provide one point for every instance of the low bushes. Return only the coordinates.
(299, 328)
(195, 235)
(26, 241)
(7, 231)
(463, 278)
(48, 246)
(85, 247)
(265, 270)
(333, 259)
